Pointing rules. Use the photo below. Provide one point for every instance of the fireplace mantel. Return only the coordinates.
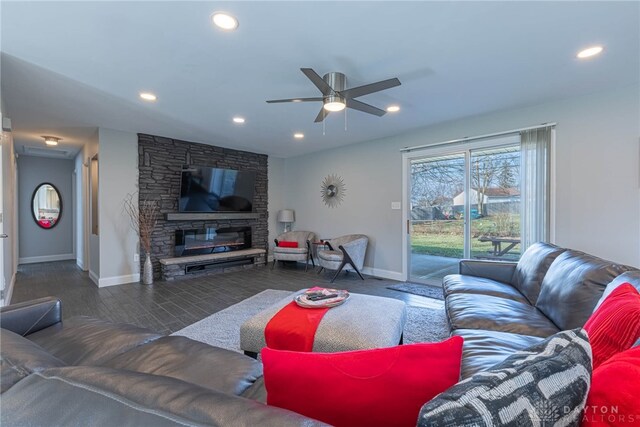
(213, 216)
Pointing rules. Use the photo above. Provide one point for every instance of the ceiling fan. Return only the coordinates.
(335, 97)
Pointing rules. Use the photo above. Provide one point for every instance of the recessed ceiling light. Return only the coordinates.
(298, 135)
(393, 108)
(224, 21)
(51, 140)
(589, 52)
(238, 119)
(148, 96)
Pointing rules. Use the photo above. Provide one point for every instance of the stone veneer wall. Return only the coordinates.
(160, 161)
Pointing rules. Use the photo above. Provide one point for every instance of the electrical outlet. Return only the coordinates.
(396, 205)
(136, 257)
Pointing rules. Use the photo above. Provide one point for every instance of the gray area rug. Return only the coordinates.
(222, 329)
(422, 290)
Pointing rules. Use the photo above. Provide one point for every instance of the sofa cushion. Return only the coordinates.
(484, 349)
(546, 384)
(192, 361)
(631, 276)
(532, 267)
(615, 387)
(98, 396)
(462, 284)
(474, 311)
(86, 341)
(20, 357)
(615, 325)
(379, 387)
(572, 287)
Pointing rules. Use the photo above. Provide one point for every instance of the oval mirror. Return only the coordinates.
(46, 205)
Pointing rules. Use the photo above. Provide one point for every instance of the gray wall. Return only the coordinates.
(597, 178)
(117, 177)
(276, 198)
(9, 209)
(38, 244)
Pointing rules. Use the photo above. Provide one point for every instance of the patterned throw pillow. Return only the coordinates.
(546, 384)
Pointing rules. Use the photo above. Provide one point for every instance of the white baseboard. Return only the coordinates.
(46, 258)
(94, 277)
(385, 274)
(118, 280)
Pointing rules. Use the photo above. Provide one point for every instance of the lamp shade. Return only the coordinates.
(286, 215)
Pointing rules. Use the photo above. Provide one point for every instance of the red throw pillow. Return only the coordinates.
(286, 244)
(615, 387)
(615, 325)
(380, 387)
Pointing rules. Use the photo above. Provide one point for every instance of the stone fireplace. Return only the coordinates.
(211, 240)
(160, 164)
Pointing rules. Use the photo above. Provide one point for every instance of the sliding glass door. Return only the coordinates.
(436, 228)
(494, 201)
(464, 202)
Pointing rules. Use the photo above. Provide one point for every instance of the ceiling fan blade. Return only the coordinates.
(273, 101)
(317, 80)
(355, 92)
(366, 108)
(321, 115)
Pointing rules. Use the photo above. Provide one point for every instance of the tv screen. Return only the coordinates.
(204, 189)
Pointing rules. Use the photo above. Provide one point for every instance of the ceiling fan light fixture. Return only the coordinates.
(224, 21)
(51, 140)
(334, 103)
(298, 135)
(334, 106)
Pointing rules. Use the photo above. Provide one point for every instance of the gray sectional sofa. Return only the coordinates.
(87, 372)
(502, 307)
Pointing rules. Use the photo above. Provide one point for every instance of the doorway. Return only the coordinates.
(463, 201)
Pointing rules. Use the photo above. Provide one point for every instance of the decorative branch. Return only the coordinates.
(144, 217)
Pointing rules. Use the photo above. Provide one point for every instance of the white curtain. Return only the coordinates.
(535, 185)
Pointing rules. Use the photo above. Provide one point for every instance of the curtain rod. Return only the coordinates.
(475, 138)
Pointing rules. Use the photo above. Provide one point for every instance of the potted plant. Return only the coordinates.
(144, 217)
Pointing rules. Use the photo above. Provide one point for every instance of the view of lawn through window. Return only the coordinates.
(438, 206)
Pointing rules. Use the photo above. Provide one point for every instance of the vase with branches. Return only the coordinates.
(144, 217)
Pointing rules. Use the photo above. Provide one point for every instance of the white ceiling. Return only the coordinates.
(68, 67)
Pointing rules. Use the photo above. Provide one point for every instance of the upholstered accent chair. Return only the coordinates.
(345, 252)
(301, 253)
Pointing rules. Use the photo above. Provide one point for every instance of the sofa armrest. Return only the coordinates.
(31, 316)
(500, 271)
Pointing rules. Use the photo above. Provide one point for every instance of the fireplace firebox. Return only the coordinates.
(211, 240)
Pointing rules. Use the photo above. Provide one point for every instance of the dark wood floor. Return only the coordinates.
(166, 307)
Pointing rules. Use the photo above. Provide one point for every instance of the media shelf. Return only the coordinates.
(204, 216)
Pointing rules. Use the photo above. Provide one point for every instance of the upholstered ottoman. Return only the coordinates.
(362, 322)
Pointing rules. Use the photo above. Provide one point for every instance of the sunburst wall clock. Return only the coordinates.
(333, 190)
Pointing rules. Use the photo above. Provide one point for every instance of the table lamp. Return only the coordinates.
(286, 216)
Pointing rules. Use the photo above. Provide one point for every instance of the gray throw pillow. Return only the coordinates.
(546, 384)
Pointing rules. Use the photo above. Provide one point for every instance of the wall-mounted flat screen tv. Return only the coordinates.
(205, 189)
